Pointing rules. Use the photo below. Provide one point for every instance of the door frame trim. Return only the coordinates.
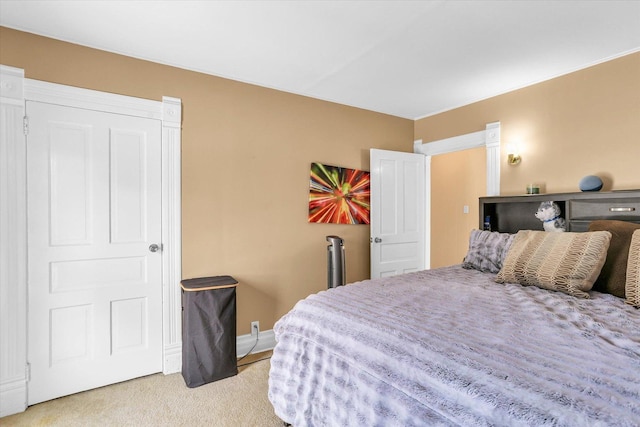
(15, 90)
(488, 138)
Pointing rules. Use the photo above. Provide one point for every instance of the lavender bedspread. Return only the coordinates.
(452, 347)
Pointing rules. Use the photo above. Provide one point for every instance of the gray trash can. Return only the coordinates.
(208, 329)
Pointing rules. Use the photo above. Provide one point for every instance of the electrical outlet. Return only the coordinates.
(255, 328)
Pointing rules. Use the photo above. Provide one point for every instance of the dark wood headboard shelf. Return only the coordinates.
(508, 214)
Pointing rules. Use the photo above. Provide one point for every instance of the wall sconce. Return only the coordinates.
(513, 156)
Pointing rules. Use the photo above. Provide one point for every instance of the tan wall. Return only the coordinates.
(583, 123)
(464, 173)
(247, 150)
(246, 153)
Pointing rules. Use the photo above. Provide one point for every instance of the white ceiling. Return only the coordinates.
(405, 58)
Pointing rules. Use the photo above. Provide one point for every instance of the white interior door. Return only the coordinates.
(398, 213)
(94, 286)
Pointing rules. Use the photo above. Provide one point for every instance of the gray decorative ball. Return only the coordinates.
(590, 183)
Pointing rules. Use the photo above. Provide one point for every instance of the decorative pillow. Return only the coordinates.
(487, 250)
(614, 272)
(633, 271)
(565, 262)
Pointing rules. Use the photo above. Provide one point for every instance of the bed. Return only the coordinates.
(502, 339)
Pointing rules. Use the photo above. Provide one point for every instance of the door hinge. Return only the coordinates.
(25, 125)
(27, 371)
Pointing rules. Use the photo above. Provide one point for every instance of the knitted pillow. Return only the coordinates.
(632, 289)
(565, 262)
(613, 275)
(487, 250)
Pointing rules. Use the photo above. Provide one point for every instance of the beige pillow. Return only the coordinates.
(565, 262)
(632, 289)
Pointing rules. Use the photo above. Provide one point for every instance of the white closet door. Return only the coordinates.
(95, 291)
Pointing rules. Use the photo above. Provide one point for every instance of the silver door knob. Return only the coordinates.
(377, 240)
(154, 248)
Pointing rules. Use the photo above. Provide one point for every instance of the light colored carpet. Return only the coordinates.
(163, 400)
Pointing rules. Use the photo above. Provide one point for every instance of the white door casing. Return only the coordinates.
(488, 138)
(398, 213)
(95, 289)
(15, 90)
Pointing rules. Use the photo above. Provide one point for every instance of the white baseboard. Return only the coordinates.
(13, 397)
(244, 346)
(172, 359)
(266, 341)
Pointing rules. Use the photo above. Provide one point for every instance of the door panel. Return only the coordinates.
(69, 171)
(128, 170)
(71, 336)
(129, 325)
(398, 203)
(95, 291)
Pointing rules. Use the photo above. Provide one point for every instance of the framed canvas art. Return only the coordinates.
(338, 195)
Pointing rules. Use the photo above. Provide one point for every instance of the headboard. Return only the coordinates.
(508, 214)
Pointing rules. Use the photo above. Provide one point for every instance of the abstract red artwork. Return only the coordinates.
(338, 195)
